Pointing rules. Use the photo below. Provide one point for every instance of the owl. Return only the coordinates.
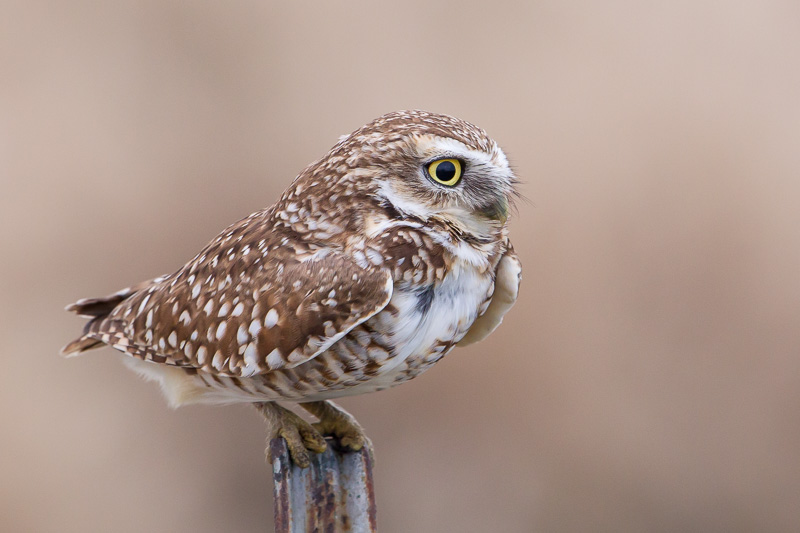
(377, 260)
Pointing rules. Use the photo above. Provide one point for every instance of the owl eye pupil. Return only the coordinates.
(445, 171)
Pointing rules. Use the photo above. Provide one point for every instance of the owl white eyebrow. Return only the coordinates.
(443, 155)
(447, 147)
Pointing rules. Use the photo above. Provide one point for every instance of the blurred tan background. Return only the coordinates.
(647, 380)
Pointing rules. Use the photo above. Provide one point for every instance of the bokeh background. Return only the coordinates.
(647, 380)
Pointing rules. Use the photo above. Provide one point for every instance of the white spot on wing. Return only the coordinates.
(274, 359)
(202, 355)
(250, 360)
(143, 304)
(219, 360)
(271, 319)
(241, 335)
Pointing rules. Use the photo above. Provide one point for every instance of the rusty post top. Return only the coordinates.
(334, 494)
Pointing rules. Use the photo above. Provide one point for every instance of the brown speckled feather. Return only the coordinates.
(230, 315)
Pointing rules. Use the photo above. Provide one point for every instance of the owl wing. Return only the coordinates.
(506, 288)
(279, 318)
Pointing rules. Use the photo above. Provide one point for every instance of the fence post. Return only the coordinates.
(334, 494)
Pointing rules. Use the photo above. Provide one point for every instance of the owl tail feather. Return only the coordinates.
(97, 309)
(80, 345)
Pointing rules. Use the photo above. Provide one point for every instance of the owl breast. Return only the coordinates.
(418, 327)
(432, 319)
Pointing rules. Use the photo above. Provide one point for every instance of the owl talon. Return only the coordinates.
(312, 439)
(300, 436)
(349, 437)
(338, 423)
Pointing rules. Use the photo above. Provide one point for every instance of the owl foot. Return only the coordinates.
(338, 423)
(300, 436)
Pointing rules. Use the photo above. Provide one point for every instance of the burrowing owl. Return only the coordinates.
(378, 259)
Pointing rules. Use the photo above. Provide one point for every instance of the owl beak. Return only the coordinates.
(497, 210)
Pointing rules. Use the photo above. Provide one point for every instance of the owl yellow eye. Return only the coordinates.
(445, 171)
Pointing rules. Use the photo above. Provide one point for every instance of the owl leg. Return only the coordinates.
(300, 436)
(335, 421)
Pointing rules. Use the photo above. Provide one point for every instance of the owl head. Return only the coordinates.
(430, 166)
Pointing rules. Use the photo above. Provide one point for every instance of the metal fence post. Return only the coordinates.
(334, 494)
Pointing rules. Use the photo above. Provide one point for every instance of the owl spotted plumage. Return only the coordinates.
(378, 259)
